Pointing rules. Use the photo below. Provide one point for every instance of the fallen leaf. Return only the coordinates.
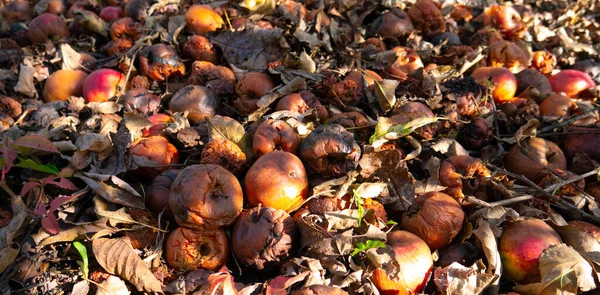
(70, 233)
(25, 84)
(386, 130)
(222, 283)
(8, 252)
(117, 257)
(387, 166)
(252, 48)
(36, 142)
(81, 288)
(112, 286)
(113, 189)
(386, 93)
(457, 279)
(486, 237)
(562, 269)
(225, 127)
(306, 63)
(70, 57)
(9, 155)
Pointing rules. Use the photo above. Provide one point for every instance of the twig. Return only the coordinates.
(572, 180)
(500, 203)
(558, 201)
(568, 121)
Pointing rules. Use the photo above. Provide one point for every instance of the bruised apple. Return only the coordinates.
(521, 245)
(437, 219)
(415, 263)
(188, 249)
(205, 197)
(277, 180)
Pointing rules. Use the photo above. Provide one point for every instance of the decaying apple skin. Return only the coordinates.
(521, 245)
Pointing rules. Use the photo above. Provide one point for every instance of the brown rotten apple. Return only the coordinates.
(438, 219)
(200, 101)
(159, 193)
(330, 151)
(187, 249)
(225, 153)
(277, 180)
(521, 245)
(545, 152)
(205, 197)
(263, 238)
(274, 135)
(415, 265)
(152, 155)
(160, 61)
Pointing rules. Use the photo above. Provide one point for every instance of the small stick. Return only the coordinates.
(574, 179)
(559, 202)
(568, 121)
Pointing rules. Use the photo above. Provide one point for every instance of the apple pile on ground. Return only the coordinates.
(299, 147)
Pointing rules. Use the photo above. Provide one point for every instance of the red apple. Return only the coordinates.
(571, 82)
(103, 84)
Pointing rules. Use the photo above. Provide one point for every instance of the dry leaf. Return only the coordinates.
(36, 142)
(75, 232)
(81, 288)
(118, 257)
(25, 84)
(70, 57)
(113, 189)
(113, 286)
(306, 63)
(225, 127)
(8, 252)
(457, 279)
(562, 269)
(386, 93)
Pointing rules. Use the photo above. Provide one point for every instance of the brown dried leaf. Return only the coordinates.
(7, 234)
(457, 279)
(386, 93)
(25, 84)
(486, 237)
(117, 257)
(387, 167)
(79, 231)
(225, 127)
(252, 48)
(70, 57)
(36, 142)
(562, 270)
(113, 189)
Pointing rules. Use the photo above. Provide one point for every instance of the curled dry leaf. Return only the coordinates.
(457, 279)
(386, 93)
(9, 250)
(113, 189)
(486, 237)
(117, 257)
(561, 268)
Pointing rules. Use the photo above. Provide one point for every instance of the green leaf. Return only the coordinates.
(359, 204)
(30, 164)
(361, 247)
(386, 129)
(83, 264)
(391, 222)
